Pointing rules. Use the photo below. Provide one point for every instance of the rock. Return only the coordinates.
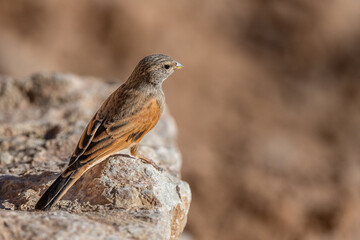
(121, 198)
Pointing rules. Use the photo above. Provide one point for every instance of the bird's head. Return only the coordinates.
(156, 68)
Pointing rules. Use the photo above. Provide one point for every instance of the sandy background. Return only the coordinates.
(267, 106)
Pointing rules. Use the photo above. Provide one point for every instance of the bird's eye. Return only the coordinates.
(166, 66)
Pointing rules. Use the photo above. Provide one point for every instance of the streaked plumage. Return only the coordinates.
(121, 122)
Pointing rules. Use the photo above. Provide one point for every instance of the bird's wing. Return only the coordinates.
(104, 136)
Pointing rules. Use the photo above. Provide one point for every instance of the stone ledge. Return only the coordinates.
(41, 119)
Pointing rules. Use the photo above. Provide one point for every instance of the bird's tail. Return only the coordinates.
(56, 190)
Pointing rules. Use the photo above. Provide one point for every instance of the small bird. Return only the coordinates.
(121, 122)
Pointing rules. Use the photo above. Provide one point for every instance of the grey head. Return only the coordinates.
(154, 69)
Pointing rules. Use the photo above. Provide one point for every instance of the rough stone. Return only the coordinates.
(41, 119)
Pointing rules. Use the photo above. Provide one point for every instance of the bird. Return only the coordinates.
(124, 118)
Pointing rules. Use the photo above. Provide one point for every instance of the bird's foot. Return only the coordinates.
(122, 155)
(144, 160)
(151, 162)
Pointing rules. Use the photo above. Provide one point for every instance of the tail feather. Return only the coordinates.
(55, 191)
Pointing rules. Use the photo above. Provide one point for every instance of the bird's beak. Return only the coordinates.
(179, 65)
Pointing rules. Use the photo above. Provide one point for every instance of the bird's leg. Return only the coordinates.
(134, 152)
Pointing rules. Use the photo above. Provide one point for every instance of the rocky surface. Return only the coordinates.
(267, 104)
(41, 119)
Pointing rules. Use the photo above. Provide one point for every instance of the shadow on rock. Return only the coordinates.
(21, 192)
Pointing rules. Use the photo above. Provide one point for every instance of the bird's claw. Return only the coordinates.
(152, 163)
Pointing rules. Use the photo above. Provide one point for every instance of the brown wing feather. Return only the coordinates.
(104, 137)
(86, 137)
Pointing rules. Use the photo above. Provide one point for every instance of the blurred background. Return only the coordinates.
(267, 106)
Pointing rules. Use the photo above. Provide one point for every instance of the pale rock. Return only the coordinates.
(41, 119)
